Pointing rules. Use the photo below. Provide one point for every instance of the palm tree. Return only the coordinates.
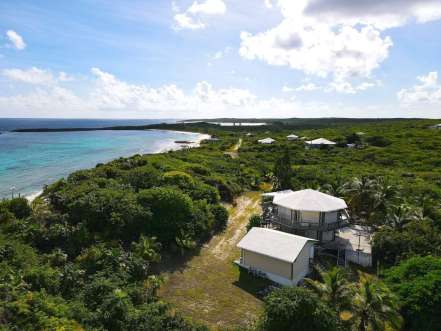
(336, 189)
(399, 215)
(374, 307)
(333, 288)
(385, 193)
(148, 248)
(361, 193)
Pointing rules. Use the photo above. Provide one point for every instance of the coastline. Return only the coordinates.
(171, 146)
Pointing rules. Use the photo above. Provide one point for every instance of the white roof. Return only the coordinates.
(310, 200)
(266, 141)
(276, 244)
(355, 238)
(292, 136)
(320, 141)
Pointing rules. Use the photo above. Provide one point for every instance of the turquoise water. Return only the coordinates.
(28, 161)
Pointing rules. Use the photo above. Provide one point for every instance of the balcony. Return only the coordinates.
(310, 225)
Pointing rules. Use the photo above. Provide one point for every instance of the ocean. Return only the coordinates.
(28, 161)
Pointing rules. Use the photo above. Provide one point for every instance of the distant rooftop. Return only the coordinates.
(320, 141)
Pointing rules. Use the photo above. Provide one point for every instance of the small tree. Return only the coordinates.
(297, 308)
(255, 221)
(283, 172)
(417, 282)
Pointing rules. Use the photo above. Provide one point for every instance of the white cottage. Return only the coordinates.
(319, 142)
(266, 141)
(309, 213)
(292, 137)
(281, 257)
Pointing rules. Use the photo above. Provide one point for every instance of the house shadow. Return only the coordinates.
(174, 261)
(256, 286)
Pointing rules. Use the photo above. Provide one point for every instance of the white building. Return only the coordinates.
(281, 257)
(267, 141)
(319, 142)
(292, 137)
(309, 213)
(356, 242)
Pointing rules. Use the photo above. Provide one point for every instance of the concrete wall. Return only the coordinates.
(359, 258)
(300, 267)
(280, 271)
(266, 264)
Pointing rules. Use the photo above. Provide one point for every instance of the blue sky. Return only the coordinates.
(209, 58)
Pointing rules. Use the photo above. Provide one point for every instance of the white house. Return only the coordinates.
(281, 257)
(266, 141)
(292, 137)
(319, 142)
(309, 213)
(356, 242)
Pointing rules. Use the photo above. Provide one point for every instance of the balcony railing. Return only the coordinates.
(305, 225)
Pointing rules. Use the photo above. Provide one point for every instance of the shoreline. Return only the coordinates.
(172, 146)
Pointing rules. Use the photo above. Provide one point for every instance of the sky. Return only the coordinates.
(220, 58)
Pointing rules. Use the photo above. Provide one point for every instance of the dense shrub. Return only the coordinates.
(417, 282)
(297, 309)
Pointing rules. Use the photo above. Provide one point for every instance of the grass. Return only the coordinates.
(210, 288)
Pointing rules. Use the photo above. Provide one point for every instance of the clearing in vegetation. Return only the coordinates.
(211, 289)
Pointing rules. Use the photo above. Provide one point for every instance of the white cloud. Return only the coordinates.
(113, 97)
(220, 54)
(184, 21)
(208, 7)
(428, 91)
(318, 49)
(31, 76)
(36, 76)
(307, 87)
(340, 39)
(268, 4)
(382, 14)
(195, 16)
(16, 40)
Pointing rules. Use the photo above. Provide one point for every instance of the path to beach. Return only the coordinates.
(234, 150)
(210, 288)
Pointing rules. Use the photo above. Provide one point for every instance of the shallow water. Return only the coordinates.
(28, 161)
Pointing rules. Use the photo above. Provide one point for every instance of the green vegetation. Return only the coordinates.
(89, 253)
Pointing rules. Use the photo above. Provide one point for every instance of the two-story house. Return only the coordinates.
(308, 213)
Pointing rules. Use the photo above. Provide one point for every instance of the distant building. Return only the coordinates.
(266, 141)
(319, 142)
(292, 137)
(308, 213)
(281, 257)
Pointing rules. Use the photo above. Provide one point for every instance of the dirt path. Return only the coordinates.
(234, 151)
(211, 289)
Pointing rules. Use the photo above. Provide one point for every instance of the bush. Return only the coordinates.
(19, 207)
(255, 221)
(378, 141)
(417, 282)
(297, 309)
(220, 217)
